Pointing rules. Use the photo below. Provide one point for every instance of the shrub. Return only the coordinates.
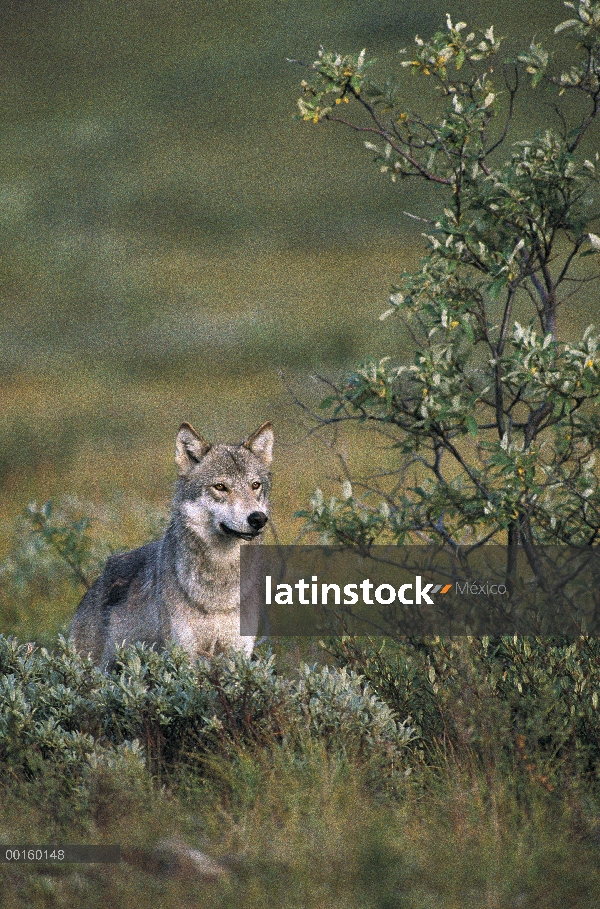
(57, 709)
(521, 703)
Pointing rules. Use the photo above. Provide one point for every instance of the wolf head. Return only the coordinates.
(222, 490)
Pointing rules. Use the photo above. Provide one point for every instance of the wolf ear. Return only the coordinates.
(190, 448)
(260, 443)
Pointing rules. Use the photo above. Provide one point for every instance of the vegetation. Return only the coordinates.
(57, 708)
(453, 773)
(490, 433)
(458, 773)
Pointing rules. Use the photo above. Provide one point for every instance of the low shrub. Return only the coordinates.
(527, 704)
(58, 710)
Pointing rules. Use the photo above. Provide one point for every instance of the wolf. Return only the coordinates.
(185, 587)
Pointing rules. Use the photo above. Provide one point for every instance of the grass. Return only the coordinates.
(313, 834)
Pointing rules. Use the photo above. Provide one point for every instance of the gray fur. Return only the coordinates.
(185, 588)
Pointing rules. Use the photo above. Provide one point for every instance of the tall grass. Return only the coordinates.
(312, 834)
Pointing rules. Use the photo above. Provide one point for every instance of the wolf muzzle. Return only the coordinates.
(256, 520)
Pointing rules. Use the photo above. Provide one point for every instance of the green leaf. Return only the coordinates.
(496, 288)
(468, 330)
(568, 23)
(327, 402)
(472, 426)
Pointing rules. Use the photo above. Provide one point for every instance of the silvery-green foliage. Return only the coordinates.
(59, 711)
(52, 546)
(526, 703)
(523, 702)
(66, 538)
(338, 705)
(491, 427)
(48, 548)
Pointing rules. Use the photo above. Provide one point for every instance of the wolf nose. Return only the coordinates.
(257, 520)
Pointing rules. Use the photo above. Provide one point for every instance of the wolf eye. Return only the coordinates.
(220, 486)
(256, 485)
